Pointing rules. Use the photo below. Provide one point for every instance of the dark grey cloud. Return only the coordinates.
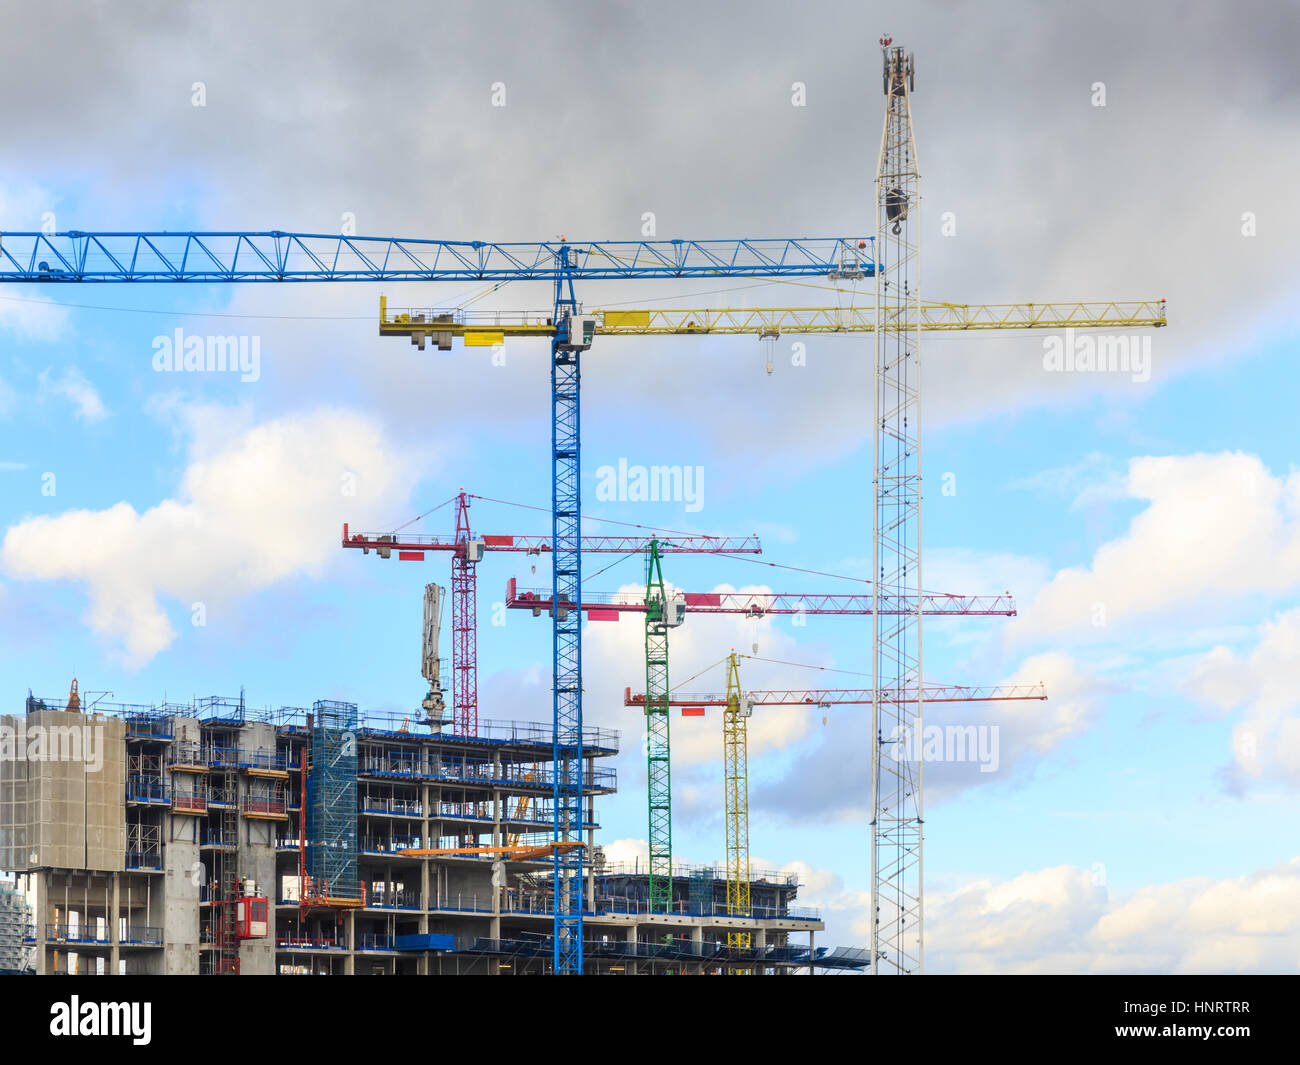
(683, 109)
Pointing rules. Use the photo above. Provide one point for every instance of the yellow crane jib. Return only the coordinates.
(493, 328)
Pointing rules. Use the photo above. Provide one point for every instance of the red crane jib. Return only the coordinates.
(606, 606)
(930, 693)
(411, 547)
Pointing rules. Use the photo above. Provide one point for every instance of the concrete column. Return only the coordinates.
(256, 850)
(591, 837)
(41, 913)
(112, 917)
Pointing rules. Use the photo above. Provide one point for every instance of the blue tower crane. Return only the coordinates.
(79, 257)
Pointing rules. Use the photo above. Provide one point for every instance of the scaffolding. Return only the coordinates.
(332, 801)
(700, 882)
(14, 919)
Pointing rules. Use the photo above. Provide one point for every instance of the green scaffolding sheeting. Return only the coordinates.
(700, 882)
(332, 800)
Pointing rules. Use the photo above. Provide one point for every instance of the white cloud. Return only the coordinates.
(1089, 481)
(74, 387)
(1064, 920)
(1266, 684)
(267, 506)
(633, 852)
(614, 659)
(1218, 527)
(832, 779)
(30, 318)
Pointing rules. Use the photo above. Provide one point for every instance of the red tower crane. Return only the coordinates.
(670, 609)
(467, 551)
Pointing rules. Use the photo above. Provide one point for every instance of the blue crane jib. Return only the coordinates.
(275, 256)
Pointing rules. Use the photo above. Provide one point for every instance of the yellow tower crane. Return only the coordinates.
(735, 786)
(493, 328)
(737, 708)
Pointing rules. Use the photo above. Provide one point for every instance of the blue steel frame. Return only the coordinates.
(77, 256)
(275, 256)
(566, 587)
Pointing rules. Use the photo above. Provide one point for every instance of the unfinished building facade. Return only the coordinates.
(211, 838)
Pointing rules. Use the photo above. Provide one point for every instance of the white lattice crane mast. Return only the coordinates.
(897, 925)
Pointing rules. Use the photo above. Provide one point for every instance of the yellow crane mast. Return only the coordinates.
(735, 761)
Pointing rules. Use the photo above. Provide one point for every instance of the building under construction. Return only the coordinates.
(170, 840)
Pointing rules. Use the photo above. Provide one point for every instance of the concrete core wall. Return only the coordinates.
(62, 777)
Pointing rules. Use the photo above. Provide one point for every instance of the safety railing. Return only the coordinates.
(266, 807)
(375, 804)
(186, 752)
(398, 899)
(308, 943)
(389, 844)
(539, 812)
(67, 933)
(214, 837)
(413, 765)
(189, 802)
(147, 789)
(221, 756)
(375, 941)
(264, 758)
(683, 871)
(685, 908)
(147, 727)
(521, 733)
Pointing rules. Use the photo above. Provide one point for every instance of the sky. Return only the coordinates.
(165, 535)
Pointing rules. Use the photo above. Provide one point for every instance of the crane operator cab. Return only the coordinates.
(575, 332)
